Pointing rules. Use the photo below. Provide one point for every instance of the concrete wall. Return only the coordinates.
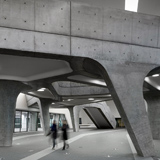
(86, 21)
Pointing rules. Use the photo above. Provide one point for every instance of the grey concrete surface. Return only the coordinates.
(69, 89)
(106, 111)
(94, 147)
(33, 122)
(9, 91)
(44, 111)
(74, 111)
(74, 121)
(100, 145)
(127, 81)
(126, 44)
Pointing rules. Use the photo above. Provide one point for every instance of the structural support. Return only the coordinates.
(125, 81)
(9, 91)
(74, 112)
(153, 101)
(44, 110)
(57, 120)
(33, 121)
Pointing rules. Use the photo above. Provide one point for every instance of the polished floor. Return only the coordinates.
(88, 144)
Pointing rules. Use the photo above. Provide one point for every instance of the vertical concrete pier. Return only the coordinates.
(9, 91)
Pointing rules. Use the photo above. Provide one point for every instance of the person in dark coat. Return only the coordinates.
(65, 135)
(54, 133)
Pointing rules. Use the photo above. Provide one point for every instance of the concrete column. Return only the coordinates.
(74, 112)
(57, 120)
(153, 101)
(9, 91)
(44, 104)
(125, 82)
(33, 122)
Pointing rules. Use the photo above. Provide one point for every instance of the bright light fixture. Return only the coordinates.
(131, 5)
(158, 87)
(109, 95)
(53, 103)
(41, 89)
(90, 99)
(69, 99)
(146, 79)
(155, 75)
(97, 100)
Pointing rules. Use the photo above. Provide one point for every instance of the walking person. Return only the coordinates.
(54, 133)
(65, 135)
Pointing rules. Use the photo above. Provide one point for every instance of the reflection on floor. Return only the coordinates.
(88, 144)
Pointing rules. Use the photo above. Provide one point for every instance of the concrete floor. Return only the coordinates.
(88, 144)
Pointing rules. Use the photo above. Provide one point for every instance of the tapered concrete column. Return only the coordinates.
(33, 122)
(153, 101)
(74, 112)
(9, 91)
(44, 104)
(125, 82)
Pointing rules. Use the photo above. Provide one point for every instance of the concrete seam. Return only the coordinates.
(20, 29)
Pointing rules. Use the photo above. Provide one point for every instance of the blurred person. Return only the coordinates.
(54, 133)
(65, 135)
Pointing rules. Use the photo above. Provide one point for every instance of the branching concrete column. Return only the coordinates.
(9, 91)
(153, 101)
(44, 111)
(125, 82)
(74, 112)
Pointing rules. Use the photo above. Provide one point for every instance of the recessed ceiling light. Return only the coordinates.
(90, 99)
(41, 89)
(158, 87)
(146, 79)
(131, 5)
(70, 100)
(53, 103)
(97, 100)
(155, 75)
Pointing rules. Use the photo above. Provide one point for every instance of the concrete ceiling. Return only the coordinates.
(30, 69)
(22, 68)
